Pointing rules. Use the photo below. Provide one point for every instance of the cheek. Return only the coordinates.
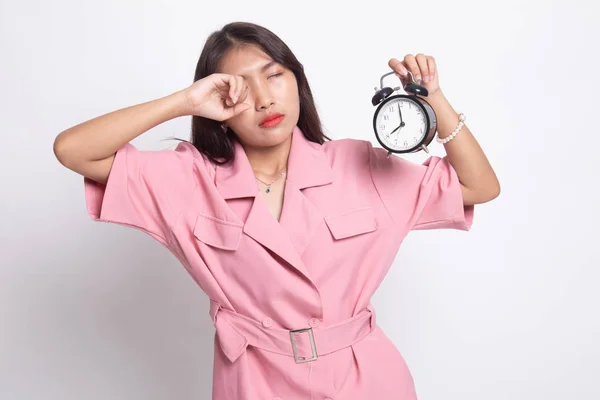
(292, 97)
(241, 121)
(290, 88)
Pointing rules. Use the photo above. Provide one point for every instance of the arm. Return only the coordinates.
(89, 148)
(479, 183)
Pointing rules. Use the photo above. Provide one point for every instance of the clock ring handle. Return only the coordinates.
(412, 78)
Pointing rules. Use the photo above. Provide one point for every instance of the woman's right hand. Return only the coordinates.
(217, 96)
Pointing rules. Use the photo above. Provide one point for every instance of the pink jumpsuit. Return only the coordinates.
(290, 300)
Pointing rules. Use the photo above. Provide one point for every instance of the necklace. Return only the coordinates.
(268, 189)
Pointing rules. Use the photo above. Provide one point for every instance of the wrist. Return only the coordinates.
(434, 97)
(180, 103)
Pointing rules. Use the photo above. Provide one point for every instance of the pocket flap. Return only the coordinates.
(217, 232)
(352, 223)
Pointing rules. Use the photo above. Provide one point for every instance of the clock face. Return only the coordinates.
(401, 123)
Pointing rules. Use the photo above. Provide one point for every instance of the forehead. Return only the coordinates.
(245, 61)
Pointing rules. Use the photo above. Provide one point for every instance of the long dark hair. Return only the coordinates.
(208, 136)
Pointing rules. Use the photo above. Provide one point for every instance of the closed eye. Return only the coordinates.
(279, 74)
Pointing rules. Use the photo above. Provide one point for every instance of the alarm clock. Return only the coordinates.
(403, 123)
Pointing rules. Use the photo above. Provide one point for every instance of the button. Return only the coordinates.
(314, 322)
(267, 322)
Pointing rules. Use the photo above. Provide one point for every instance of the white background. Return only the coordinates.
(506, 311)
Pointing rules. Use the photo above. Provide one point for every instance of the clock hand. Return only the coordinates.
(400, 113)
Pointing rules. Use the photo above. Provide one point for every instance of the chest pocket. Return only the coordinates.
(352, 223)
(217, 232)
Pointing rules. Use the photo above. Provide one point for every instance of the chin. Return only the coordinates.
(274, 136)
(267, 137)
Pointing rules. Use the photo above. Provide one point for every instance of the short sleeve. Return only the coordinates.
(145, 189)
(420, 196)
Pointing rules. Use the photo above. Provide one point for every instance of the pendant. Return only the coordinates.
(268, 190)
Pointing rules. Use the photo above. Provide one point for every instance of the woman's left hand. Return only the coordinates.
(421, 66)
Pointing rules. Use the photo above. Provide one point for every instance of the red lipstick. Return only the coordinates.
(271, 120)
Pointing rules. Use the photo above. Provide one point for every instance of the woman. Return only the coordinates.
(289, 234)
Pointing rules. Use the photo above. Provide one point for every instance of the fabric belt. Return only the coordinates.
(236, 332)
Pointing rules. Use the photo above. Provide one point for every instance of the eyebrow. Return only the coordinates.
(265, 67)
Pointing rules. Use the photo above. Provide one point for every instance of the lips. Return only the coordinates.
(270, 117)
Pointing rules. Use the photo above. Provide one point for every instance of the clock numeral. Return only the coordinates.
(382, 127)
(386, 117)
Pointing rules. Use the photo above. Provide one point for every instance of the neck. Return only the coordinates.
(269, 162)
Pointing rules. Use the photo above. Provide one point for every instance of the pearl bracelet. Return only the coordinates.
(448, 138)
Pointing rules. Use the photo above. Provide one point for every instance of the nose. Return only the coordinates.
(263, 98)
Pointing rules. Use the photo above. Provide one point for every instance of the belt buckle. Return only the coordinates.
(312, 345)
